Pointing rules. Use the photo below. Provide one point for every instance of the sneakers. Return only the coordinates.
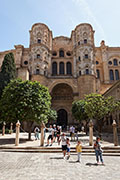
(47, 145)
(78, 161)
(50, 144)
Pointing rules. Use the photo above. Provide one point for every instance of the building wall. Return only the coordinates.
(74, 61)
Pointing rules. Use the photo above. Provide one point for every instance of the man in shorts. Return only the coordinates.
(64, 144)
(51, 134)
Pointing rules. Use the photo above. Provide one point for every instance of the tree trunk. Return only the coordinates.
(29, 130)
(29, 135)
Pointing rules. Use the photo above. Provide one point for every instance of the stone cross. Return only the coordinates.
(90, 133)
(3, 129)
(115, 135)
(17, 133)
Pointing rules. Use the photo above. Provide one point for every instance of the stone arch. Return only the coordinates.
(59, 82)
(62, 98)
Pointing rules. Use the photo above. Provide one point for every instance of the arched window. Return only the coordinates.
(61, 53)
(37, 71)
(116, 74)
(86, 56)
(61, 68)
(69, 68)
(38, 56)
(87, 71)
(54, 68)
(85, 41)
(115, 62)
(39, 40)
(98, 73)
(111, 74)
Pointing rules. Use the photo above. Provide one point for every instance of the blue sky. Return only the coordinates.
(61, 16)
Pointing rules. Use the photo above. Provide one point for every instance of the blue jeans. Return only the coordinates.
(98, 154)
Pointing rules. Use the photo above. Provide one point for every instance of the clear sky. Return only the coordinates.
(61, 16)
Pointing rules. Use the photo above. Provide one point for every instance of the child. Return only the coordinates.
(98, 150)
(79, 150)
(68, 148)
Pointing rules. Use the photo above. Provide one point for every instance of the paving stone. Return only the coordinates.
(39, 166)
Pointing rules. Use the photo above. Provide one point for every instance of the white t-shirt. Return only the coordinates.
(50, 130)
(63, 139)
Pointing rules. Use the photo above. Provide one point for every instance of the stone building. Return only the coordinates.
(69, 66)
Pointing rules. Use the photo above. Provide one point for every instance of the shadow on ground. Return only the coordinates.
(11, 141)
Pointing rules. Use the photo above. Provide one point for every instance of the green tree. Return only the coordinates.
(52, 115)
(8, 71)
(78, 112)
(97, 107)
(25, 101)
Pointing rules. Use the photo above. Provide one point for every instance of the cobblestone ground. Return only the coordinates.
(38, 166)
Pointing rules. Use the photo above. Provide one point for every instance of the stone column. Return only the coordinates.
(17, 133)
(115, 136)
(11, 128)
(42, 134)
(90, 133)
(3, 129)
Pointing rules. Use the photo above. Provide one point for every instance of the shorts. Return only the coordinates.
(55, 134)
(50, 137)
(68, 149)
(64, 147)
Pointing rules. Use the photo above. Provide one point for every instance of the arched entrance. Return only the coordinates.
(62, 119)
(62, 98)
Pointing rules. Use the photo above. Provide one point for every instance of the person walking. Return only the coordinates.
(98, 150)
(79, 151)
(51, 134)
(36, 131)
(64, 144)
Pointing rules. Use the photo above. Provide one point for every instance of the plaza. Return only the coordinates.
(37, 166)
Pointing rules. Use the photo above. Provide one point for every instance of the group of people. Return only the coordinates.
(55, 132)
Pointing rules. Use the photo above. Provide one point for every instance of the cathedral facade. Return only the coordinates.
(69, 66)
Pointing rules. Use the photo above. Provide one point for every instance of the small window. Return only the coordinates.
(97, 62)
(86, 56)
(26, 62)
(78, 42)
(85, 41)
(98, 73)
(79, 58)
(38, 56)
(68, 53)
(37, 71)
(111, 74)
(110, 62)
(87, 71)
(79, 73)
(116, 74)
(54, 53)
(115, 62)
(39, 40)
(61, 53)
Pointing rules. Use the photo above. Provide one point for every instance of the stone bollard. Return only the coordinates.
(115, 136)
(42, 134)
(11, 128)
(3, 129)
(90, 133)
(17, 133)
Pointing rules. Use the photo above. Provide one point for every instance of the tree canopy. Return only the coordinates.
(78, 110)
(8, 71)
(25, 101)
(94, 106)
